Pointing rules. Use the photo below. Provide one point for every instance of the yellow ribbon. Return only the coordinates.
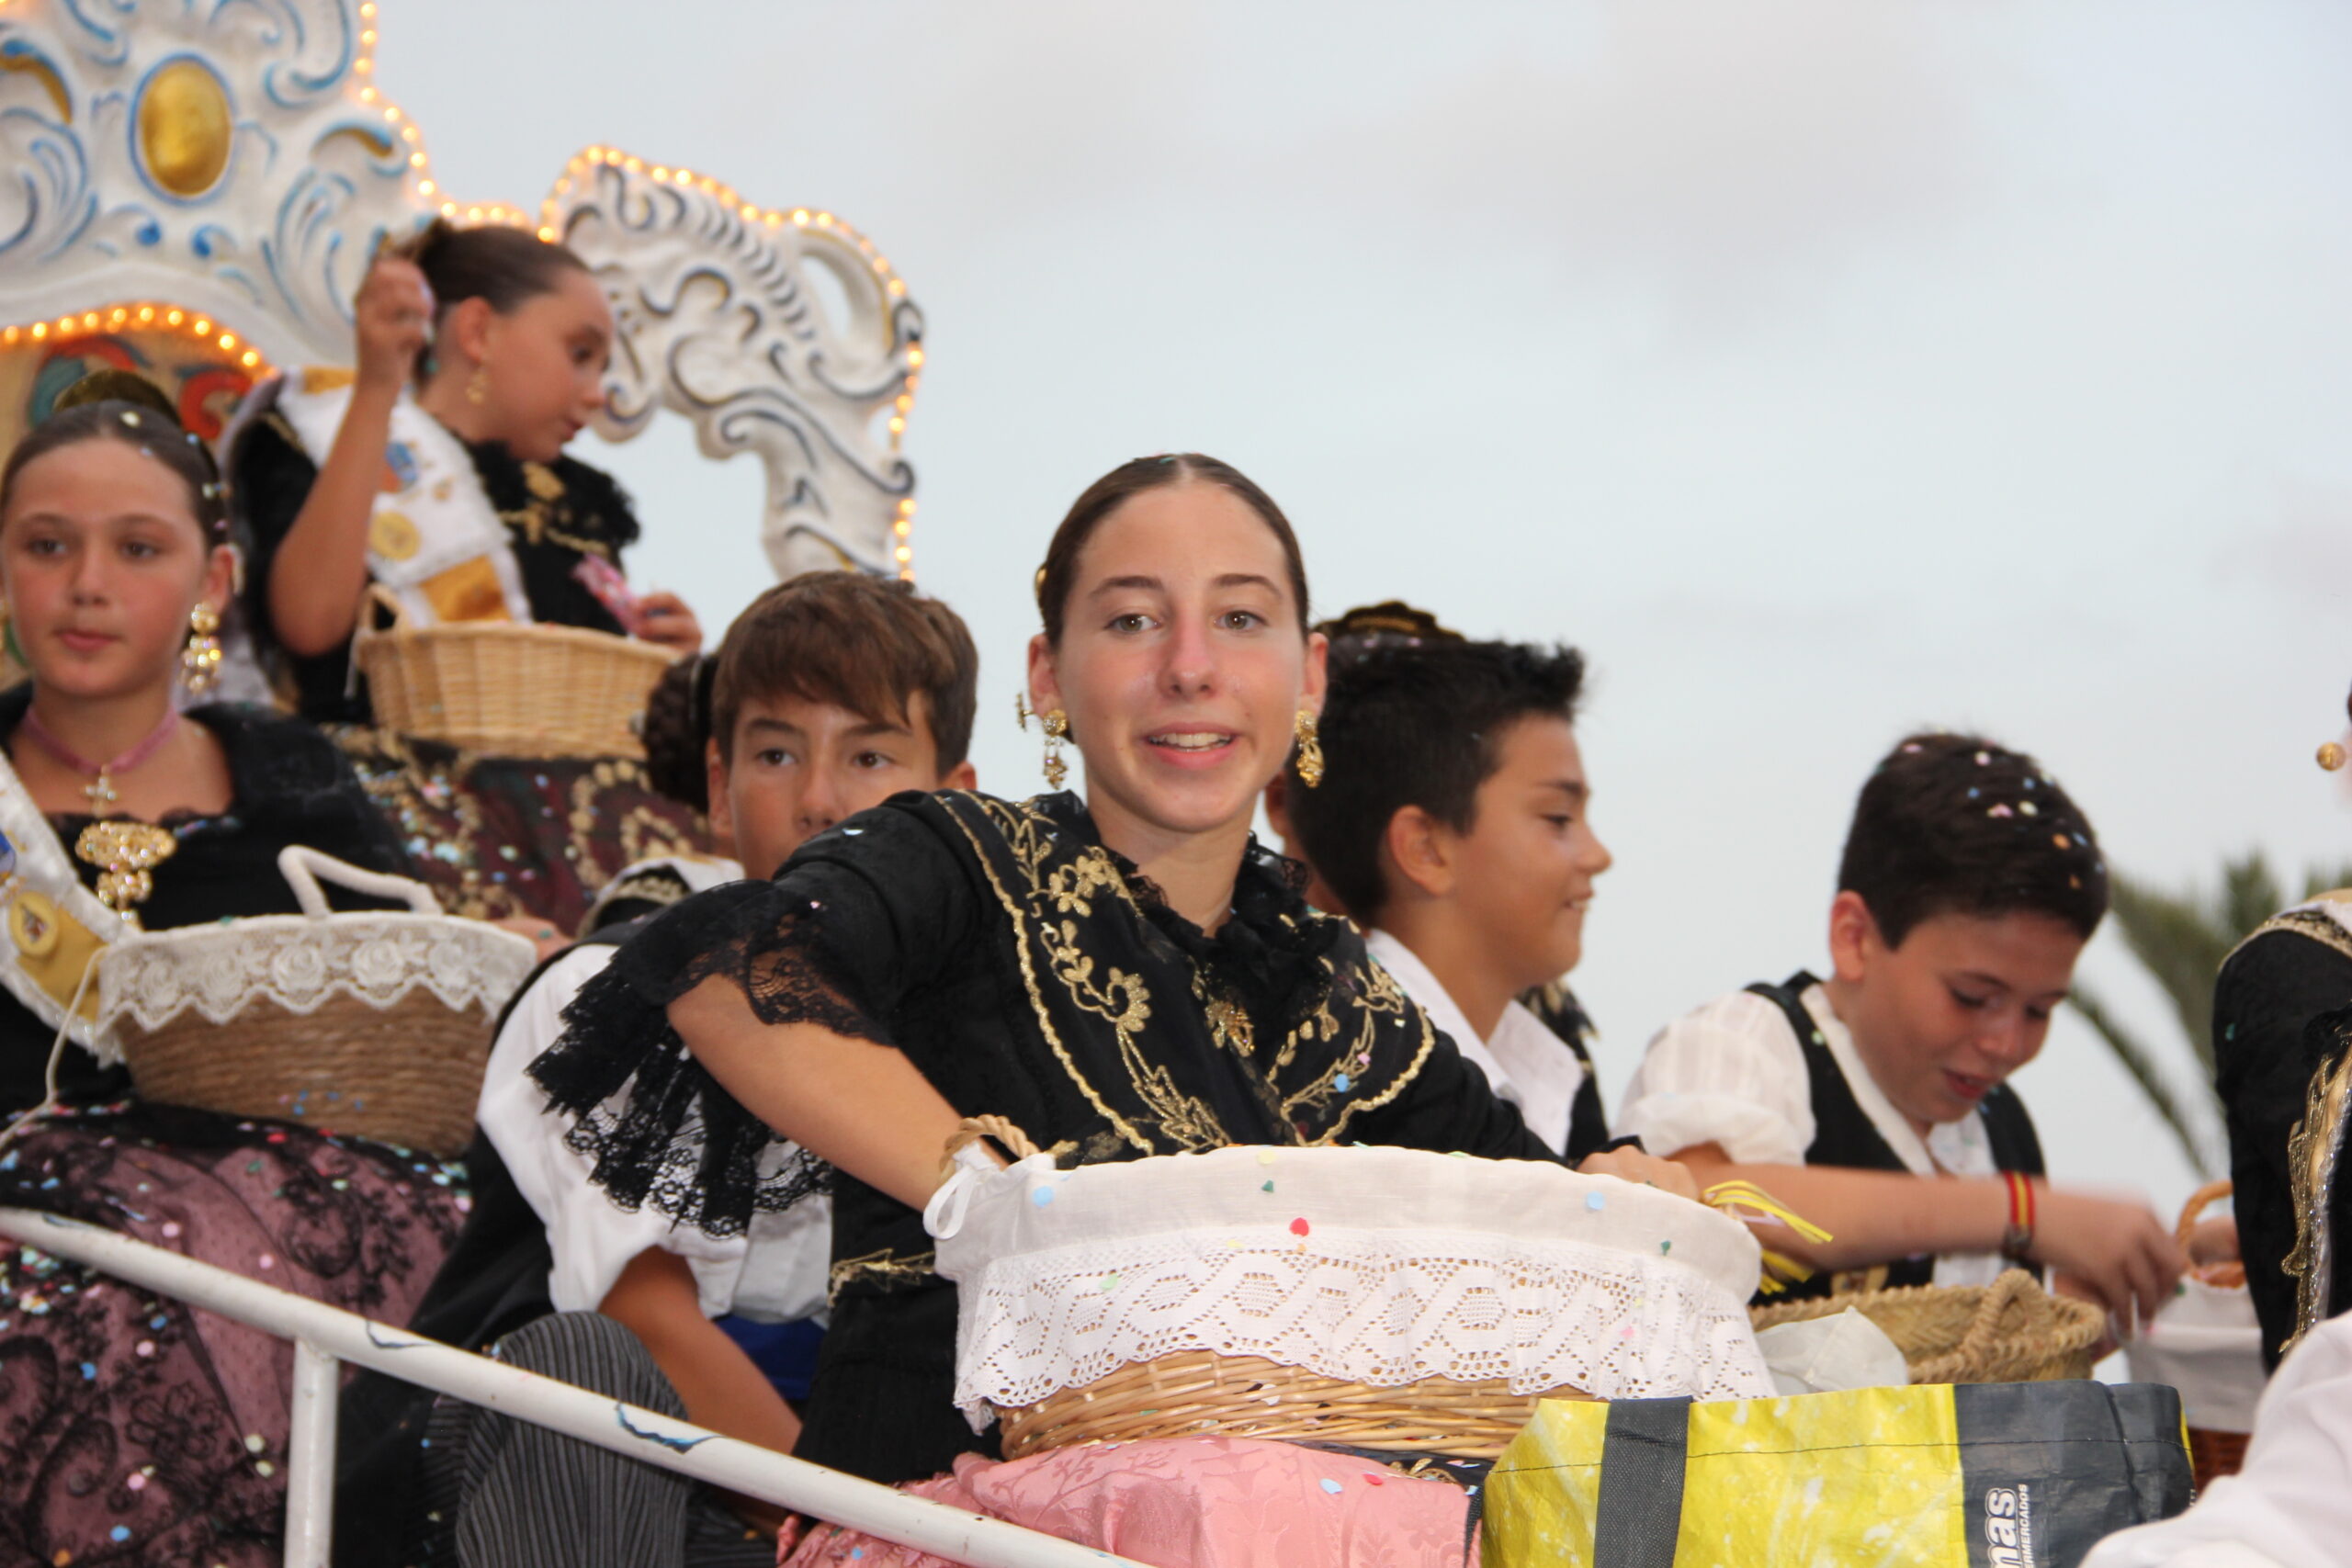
(1750, 1204)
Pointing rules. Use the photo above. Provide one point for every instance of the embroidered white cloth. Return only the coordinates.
(1526, 1062)
(298, 961)
(1376, 1266)
(1731, 1073)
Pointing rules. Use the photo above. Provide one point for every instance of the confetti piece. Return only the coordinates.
(89, 1372)
(1984, 758)
(2029, 808)
(1265, 1157)
(1041, 1196)
(254, 1443)
(267, 1261)
(1341, 1082)
(2058, 841)
(1664, 1248)
(1299, 1226)
(2001, 811)
(1595, 1202)
(119, 1532)
(1269, 1187)
(1332, 1486)
(136, 1484)
(263, 1467)
(1372, 1480)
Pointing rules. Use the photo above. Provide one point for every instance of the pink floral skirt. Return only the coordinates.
(1190, 1503)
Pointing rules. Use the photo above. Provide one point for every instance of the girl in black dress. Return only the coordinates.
(1121, 976)
(137, 1429)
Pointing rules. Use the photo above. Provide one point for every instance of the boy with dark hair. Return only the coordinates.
(1875, 1103)
(830, 694)
(1451, 824)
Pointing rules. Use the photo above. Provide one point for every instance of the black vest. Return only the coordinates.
(1843, 1133)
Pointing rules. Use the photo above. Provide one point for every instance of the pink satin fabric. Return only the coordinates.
(1189, 1503)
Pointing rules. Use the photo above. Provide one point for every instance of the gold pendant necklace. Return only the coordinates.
(126, 853)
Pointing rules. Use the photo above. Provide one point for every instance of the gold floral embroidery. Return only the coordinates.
(885, 1267)
(2312, 1153)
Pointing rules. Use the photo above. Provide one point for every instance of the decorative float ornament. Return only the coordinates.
(194, 192)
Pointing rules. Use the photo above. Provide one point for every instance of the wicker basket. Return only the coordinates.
(2212, 1454)
(2009, 1331)
(508, 690)
(402, 1066)
(1188, 1393)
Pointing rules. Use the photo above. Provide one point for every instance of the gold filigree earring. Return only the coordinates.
(478, 384)
(201, 660)
(1056, 731)
(1310, 750)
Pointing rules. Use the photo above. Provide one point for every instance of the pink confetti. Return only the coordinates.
(171, 1228)
(267, 1261)
(136, 1484)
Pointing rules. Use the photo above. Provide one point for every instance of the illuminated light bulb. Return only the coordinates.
(363, 66)
(392, 117)
(448, 210)
(173, 318)
(824, 221)
(367, 95)
(40, 330)
(634, 165)
(250, 359)
(914, 356)
(117, 315)
(901, 528)
(775, 220)
(368, 8)
(659, 172)
(547, 234)
(897, 286)
(473, 214)
(8, 335)
(424, 187)
(563, 187)
(90, 321)
(202, 328)
(905, 402)
(367, 38)
(146, 314)
(799, 215)
(416, 160)
(227, 340)
(908, 506)
(905, 552)
(897, 426)
(409, 133)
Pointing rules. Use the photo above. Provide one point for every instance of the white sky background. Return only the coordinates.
(1821, 370)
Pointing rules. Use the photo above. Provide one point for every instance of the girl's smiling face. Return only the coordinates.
(102, 559)
(1182, 666)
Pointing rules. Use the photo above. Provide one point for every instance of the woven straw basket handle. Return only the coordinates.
(2225, 1275)
(302, 866)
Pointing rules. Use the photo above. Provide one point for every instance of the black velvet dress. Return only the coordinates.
(1029, 972)
(2277, 1025)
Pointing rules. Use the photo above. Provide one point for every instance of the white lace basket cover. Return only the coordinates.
(298, 963)
(1376, 1266)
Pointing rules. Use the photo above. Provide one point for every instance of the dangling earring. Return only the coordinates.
(478, 384)
(1021, 710)
(1310, 750)
(1057, 726)
(201, 660)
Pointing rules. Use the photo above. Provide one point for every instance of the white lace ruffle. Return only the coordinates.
(1408, 1265)
(298, 963)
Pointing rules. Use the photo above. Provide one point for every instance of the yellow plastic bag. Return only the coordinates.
(1980, 1475)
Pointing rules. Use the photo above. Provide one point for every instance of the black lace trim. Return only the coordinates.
(660, 1128)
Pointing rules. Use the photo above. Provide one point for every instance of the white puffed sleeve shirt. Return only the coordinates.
(1732, 1074)
(1523, 1060)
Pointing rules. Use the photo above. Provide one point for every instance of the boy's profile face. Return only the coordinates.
(794, 767)
(1524, 871)
(1961, 1004)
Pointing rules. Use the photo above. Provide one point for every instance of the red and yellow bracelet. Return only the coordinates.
(2016, 1240)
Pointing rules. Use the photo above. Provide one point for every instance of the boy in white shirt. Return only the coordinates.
(1874, 1103)
(830, 694)
(1451, 823)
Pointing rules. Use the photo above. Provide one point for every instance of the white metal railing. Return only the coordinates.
(326, 1337)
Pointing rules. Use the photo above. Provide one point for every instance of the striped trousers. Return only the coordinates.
(505, 1493)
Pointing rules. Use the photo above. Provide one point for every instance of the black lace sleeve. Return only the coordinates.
(860, 916)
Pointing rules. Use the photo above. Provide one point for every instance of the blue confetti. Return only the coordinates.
(1041, 1196)
(1332, 1486)
(89, 1372)
(1595, 1202)
(119, 1532)
(1341, 1082)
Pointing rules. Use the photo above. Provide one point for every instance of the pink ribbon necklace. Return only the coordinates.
(102, 790)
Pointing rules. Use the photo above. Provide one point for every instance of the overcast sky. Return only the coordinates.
(1821, 370)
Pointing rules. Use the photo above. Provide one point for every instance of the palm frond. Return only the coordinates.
(2138, 1062)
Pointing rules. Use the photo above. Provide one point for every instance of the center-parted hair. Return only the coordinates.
(1954, 824)
(867, 644)
(1414, 717)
